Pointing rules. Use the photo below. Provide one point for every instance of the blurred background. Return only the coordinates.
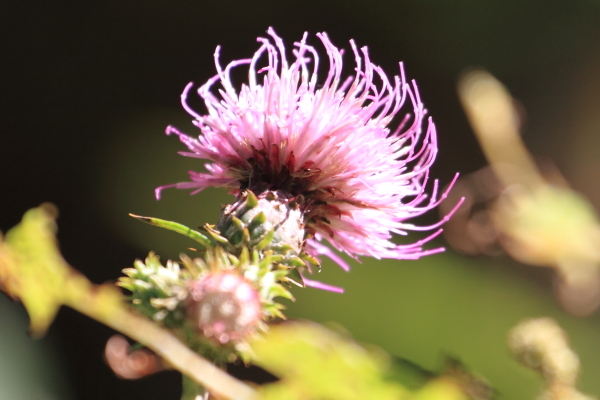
(87, 89)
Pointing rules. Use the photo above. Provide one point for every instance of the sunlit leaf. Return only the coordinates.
(32, 269)
(440, 389)
(317, 363)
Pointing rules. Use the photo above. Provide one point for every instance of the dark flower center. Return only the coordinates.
(264, 172)
(268, 173)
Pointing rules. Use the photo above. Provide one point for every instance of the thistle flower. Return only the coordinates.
(328, 145)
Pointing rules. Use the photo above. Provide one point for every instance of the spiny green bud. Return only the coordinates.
(272, 220)
(156, 290)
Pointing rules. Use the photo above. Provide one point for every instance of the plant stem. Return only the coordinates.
(192, 391)
(104, 303)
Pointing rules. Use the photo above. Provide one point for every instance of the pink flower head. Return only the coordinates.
(327, 142)
(225, 306)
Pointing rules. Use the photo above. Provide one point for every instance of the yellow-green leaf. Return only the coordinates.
(316, 363)
(31, 267)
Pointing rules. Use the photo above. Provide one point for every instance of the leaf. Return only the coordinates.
(32, 269)
(293, 276)
(266, 240)
(441, 389)
(317, 363)
(176, 227)
(251, 200)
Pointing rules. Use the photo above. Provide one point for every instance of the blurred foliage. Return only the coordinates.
(317, 363)
(525, 207)
(542, 345)
(446, 305)
(320, 364)
(313, 362)
(32, 270)
(550, 226)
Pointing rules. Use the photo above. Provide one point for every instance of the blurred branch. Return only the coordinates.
(490, 110)
(540, 344)
(537, 221)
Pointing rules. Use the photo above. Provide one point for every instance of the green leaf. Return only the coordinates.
(294, 261)
(317, 363)
(215, 234)
(280, 291)
(264, 242)
(251, 200)
(310, 260)
(236, 233)
(257, 221)
(244, 256)
(32, 269)
(176, 227)
(293, 276)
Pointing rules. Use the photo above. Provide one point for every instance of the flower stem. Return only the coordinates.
(192, 391)
(490, 110)
(104, 303)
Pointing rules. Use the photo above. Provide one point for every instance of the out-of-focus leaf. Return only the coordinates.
(440, 389)
(314, 363)
(550, 225)
(409, 374)
(32, 269)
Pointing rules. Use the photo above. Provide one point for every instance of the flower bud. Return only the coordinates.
(224, 306)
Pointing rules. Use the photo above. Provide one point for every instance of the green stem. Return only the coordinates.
(192, 391)
(105, 304)
(490, 109)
